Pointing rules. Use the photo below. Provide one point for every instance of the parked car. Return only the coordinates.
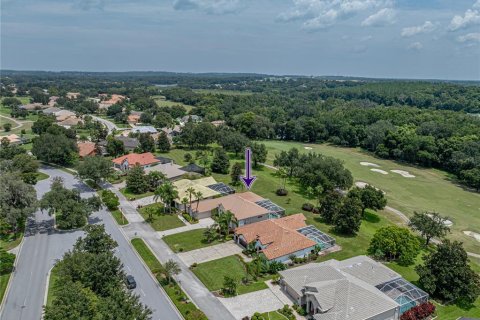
(130, 282)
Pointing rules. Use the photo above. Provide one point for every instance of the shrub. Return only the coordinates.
(307, 207)
(287, 312)
(281, 192)
(420, 312)
(7, 260)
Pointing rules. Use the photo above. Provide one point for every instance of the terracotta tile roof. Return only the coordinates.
(237, 203)
(141, 159)
(86, 149)
(13, 138)
(133, 118)
(279, 235)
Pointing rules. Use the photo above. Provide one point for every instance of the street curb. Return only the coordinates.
(150, 272)
(7, 289)
(45, 295)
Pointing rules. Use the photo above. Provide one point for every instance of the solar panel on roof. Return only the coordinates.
(222, 188)
(324, 240)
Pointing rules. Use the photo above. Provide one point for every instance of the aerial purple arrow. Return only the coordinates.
(248, 179)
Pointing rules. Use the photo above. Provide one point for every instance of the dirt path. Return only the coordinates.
(17, 122)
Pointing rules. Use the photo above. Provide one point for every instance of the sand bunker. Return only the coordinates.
(308, 148)
(446, 222)
(379, 171)
(369, 164)
(472, 234)
(403, 173)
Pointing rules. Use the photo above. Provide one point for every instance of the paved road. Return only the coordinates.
(109, 124)
(194, 288)
(43, 245)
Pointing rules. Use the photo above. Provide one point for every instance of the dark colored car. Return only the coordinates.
(130, 282)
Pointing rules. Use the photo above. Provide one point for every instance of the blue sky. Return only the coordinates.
(373, 38)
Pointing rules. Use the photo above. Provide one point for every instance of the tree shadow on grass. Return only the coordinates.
(371, 217)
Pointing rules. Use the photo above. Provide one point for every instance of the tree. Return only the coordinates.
(220, 162)
(236, 172)
(70, 209)
(447, 275)
(191, 192)
(283, 174)
(115, 147)
(429, 225)
(110, 200)
(171, 269)
(18, 200)
(198, 196)
(188, 158)
(8, 151)
(471, 177)
(7, 260)
(147, 144)
(155, 179)
(163, 143)
(349, 217)
(95, 168)
(395, 243)
(166, 192)
(136, 181)
(96, 241)
(42, 124)
(225, 221)
(330, 206)
(55, 148)
(232, 141)
(210, 233)
(7, 126)
(259, 153)
(229, 286)
(370, 197)
(11, 102)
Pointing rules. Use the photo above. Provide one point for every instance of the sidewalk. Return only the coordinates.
(194, 288)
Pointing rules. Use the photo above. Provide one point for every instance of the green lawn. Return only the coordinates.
(132, 196)
(212, 274)
(4, 278)
(176, 294)
(160, 221)
(52, 285)
(187, 241)
(430, 190)
(162, 102)
(8, 241)
(42, 176)
(273, 315)
(119, 217)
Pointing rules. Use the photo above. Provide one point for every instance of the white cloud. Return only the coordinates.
(209, 6)
(320, 14)
(471, 17)
(469, 37)
(383, 17)
(415, 46)
(428, 26)
(477, 4)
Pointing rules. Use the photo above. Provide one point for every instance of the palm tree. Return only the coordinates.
(191, 192)
(225, 220)
(171, 269)
(210, 233)
(167, 192)
(198, 196)
(184, 203)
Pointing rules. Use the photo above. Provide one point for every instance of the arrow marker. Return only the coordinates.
(248, 179)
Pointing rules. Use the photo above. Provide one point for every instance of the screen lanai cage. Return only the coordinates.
(404, 293)
(324, 240)
(275, 211)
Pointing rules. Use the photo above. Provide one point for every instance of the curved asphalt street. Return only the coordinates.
(43, 245)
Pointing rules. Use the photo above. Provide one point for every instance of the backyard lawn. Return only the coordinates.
(160, 221)
(212, 274)
(132, 196)
(188, 240)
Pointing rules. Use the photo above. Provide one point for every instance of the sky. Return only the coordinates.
(426, 39)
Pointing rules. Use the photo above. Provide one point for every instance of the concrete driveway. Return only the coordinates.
(249, 303)
(210, 253)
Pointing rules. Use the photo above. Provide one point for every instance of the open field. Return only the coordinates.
(160, 221)
(226, 92)
(430, 190)
(162, 102)
(212, 274)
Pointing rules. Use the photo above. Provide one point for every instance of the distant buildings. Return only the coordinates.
(106, 102)
(126, 162)
(86, 149)
(144, 129)
(218, 123)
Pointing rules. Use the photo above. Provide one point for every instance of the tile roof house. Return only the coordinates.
(69, 122)
(51, 110)
(277, 239)
(126, 162)
(133, 118)
(242, 205)
(62, 115)
(86, 149)
(129, 144)
(73, 95)
(199, 185)
(12, 139)
(358, 288)
(170, 170)
(33, 106)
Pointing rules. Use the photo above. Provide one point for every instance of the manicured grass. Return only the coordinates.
(430, 190)
(160, 221)
(273, 315)
(212, 274)
(119, 217)
(188, 310)
(132, 196)
(187, 241)
(42, 176)
(226, 92)
(4, 278)
(52, 285)
(8, 241)
(162, 102)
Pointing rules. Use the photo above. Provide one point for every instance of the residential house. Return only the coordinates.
(106, 103)
(70, 122)
(52, 101)
(12, 139)
(62, 115)
(126, 162)
(86, 149)
(72, 95)
(193, 168)
(51, 110)
(33, 106)
(129, 144)
(144, 129)
(218, 123)
(172, 132)
(170, 170)
(244, 207)
(358, 288)
(280, 239)
(198, 185)
(133, 119)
